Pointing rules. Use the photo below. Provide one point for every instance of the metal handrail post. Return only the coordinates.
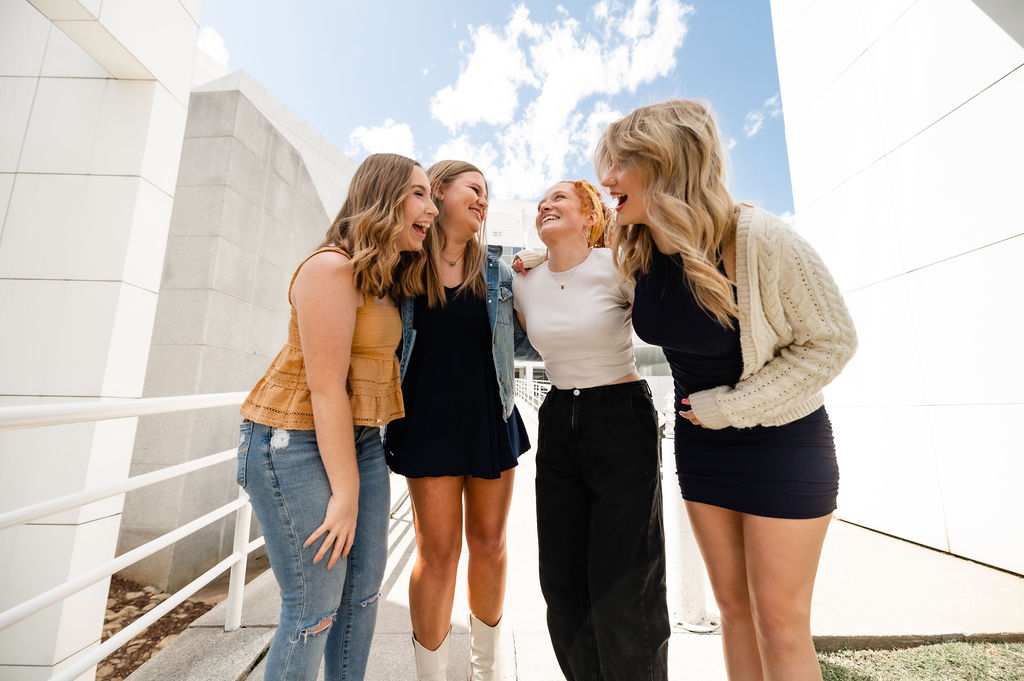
(236, 583)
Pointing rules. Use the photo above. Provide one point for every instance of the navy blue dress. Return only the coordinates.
(787, 471)
(453, 421)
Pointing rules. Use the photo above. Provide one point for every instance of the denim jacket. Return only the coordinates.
(507, 336)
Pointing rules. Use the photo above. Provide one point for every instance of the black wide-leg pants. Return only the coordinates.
(601, 535)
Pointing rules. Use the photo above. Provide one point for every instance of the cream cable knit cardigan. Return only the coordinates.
(795, 331)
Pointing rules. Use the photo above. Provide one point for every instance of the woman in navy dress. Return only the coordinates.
(461, 437)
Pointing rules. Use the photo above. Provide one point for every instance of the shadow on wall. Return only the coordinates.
(1007, 14)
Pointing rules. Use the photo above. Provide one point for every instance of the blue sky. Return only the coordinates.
(520, 88)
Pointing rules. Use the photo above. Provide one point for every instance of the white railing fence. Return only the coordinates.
(532, 392)
(12, 418)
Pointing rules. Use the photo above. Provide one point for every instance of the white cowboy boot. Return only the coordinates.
(489, 655)
(432, 665)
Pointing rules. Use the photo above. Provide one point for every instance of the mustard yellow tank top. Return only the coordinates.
(281, 398)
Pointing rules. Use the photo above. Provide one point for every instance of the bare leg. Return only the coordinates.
(487, 507)
(437, 513)
(719, 534)
(782, 561)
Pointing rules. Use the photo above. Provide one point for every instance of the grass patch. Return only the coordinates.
(940, 662)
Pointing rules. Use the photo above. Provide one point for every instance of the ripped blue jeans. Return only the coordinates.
(324, 614)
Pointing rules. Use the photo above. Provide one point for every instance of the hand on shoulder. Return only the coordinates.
(528, 259)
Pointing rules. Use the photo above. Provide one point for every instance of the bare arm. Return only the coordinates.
(325, 300)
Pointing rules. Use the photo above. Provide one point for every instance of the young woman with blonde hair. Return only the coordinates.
(462, 436)
(599, 526)
(753, 327)
(310, 454)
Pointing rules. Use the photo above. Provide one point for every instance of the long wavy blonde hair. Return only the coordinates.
(370, 223)
(677, 150)
(441, 175)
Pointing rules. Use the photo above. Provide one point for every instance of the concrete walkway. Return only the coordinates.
(872, 590)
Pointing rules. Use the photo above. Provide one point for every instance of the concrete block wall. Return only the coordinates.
(903, 127)
(92, 117)
(245, 213)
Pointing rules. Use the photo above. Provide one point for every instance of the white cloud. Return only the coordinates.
(390, 137)
(637, 22)
(488, 86)
(788, 217)
(557, 66)
(588, 134)
(731, 144)
(753, 123)
(755, 120)
(461, 148)
(211, 43)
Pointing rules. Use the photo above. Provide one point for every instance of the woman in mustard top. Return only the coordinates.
(310, 453)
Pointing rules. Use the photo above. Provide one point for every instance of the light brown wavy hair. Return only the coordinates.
(441, 175)
(370, 223)
(677, 150)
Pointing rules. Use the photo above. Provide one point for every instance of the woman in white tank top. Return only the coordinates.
(599, 526)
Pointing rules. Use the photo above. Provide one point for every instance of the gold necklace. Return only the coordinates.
(456, 262)
(567, 274)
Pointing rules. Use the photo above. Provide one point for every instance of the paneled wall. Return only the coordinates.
(93, 99)
(903, 121)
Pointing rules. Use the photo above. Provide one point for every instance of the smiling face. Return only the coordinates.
(463, 204)
(418, 212)
(628, 187)
(560, 215)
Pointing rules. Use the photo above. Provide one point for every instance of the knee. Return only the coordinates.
(734, 605)
(782, 627)
(440, 555)
(486, 544)
(318, 626)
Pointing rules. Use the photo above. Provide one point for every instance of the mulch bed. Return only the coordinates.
(126, 601)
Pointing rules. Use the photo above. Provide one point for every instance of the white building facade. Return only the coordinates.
(256, 193)
(93, 101)
(903, 121)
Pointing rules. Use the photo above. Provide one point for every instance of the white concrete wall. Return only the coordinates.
(92, 116)
(903, 120)
(511, 223)
(245, 214)
(329, 169)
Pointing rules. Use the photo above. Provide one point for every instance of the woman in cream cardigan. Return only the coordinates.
(753, 327)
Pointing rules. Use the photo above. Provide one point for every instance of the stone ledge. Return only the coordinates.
(207, 654)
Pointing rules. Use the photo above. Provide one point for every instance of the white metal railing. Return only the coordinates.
(532, 392)
(13, 418)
